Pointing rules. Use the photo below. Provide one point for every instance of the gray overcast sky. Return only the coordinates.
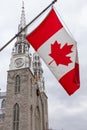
(65, 112)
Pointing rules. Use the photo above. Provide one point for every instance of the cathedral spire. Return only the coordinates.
(22, 20)
(21, 57)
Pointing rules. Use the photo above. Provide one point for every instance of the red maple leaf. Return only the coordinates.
(60, 54)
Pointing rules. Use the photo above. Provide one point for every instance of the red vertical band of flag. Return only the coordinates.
(70, 83)
(50, 39)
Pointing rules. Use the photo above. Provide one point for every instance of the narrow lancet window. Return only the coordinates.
(17, 84)
(16, 117)
(37, 119)
(3, 104)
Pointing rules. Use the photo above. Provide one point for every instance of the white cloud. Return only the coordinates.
(82, 19)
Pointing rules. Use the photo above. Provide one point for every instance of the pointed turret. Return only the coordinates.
(22, 21)
(38, 71)
(21, 45)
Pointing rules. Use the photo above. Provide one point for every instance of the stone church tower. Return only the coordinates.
(26, 100)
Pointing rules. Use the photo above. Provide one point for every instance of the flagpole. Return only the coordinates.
(53, 2)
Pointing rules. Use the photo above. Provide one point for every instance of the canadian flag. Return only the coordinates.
(58, 50)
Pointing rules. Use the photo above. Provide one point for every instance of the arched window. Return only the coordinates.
(37, 119)
(20, 48)
(23, 48)
(31, 116)
(3, 104)
(16, 117)
(31, 86)
(17, 84)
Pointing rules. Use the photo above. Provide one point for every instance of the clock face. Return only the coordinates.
(19, 62)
